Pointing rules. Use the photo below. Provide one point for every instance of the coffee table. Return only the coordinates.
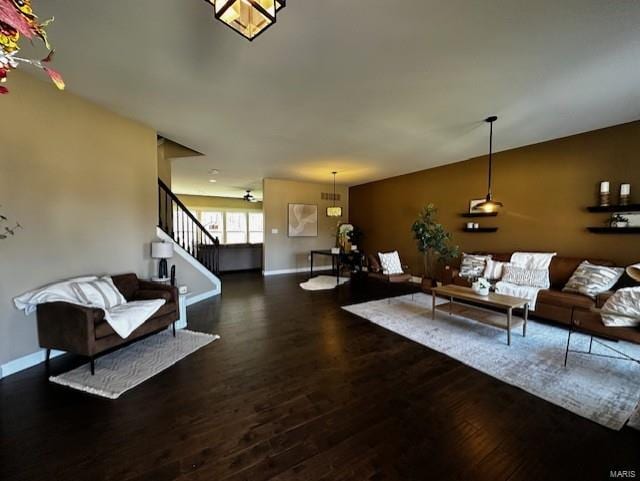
(467, 297)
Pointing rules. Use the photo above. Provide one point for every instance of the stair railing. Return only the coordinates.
(177, 221)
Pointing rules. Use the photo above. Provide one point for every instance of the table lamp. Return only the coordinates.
(162, 251)
(634, 272)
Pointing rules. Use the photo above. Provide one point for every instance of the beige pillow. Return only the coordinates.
(493, 270)
(523, 276)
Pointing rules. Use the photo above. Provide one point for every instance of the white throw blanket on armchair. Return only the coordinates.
(526, 260)
(124, 318)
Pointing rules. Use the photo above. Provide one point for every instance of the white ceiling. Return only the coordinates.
(371, 88)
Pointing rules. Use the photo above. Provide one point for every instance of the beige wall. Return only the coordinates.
(203, 202)
(545, 189)
(164, 164)
(82, 181)
(285, 253)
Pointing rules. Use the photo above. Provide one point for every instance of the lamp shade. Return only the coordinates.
(334, 211)
(247, 17)
(634, 272)
(161, 250)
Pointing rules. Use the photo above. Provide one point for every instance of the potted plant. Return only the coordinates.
(618, 221)
(434, 243)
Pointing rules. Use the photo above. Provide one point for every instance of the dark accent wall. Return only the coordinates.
(545, 188)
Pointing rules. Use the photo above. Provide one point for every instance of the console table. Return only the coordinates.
(337, 260)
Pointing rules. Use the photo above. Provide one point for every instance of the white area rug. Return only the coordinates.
(321, 283)
(606, 391)
(125, 368)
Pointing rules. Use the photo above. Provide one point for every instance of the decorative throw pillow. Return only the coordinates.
(473, 265)
(622, 309)
(390, 263)
(493, 270)
(522, 276)
(99, 293)
(591, 279)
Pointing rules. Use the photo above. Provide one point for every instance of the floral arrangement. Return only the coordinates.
(17, 20)
(7, 231)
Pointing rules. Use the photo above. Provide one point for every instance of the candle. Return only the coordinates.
(604, 187)
(625, 189)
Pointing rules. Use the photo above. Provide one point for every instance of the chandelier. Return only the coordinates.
(334, 211)
(247, 17)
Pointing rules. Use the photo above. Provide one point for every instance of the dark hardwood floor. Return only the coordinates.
(299, 389)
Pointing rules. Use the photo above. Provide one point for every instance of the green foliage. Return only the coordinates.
(433, 240)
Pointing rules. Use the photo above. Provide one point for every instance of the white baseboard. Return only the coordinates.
(296, 270)
(25, 362)
(192, 299)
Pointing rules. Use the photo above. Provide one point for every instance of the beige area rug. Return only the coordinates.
(124, 369)
(322, 283)
(606, 391)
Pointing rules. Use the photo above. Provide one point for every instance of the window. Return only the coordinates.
(214, 223)
(233, 227)
(236, 228)
(256, 227)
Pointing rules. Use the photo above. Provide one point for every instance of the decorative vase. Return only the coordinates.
(481, 287)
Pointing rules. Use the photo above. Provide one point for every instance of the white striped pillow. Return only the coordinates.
(100, 293)
(522, 276)
(493, 270)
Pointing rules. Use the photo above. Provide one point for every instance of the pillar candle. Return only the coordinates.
(604, 187)
(625, 189)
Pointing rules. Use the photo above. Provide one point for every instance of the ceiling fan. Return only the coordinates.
(249, 197)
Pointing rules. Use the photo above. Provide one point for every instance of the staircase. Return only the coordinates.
(181, 225)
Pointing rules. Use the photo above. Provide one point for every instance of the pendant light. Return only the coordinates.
(334, 211)
(247, 17)
(490, 205)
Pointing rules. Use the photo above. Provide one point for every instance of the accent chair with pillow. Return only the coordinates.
(395, 270)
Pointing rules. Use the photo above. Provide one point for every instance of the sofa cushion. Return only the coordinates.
(374, 263)
(591, 322)
(564, 299)
(146, 294)
(127, 284)
(103, 329)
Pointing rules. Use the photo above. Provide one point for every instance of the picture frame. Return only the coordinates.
(473, 203)
(302, 220)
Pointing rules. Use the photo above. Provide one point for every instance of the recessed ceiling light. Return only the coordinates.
(213, 180)
(214, 171)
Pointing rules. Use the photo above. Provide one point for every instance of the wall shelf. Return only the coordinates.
(614, 230)
(615, 208)
(479, 214)
(481, 230)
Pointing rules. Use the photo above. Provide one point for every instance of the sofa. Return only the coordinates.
(84, 331)
(552, 304)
